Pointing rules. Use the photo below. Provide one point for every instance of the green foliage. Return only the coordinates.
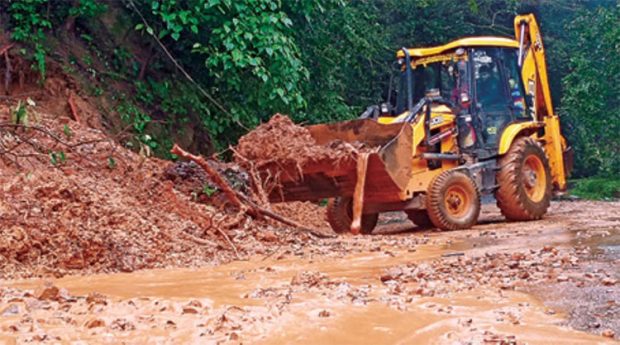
(597, 188)
(316, 60)
(58, 158)
(591, 102)
(248, 52)
(30, 19)
(29, 24)
(88, 8)
(208, 190)
(67, 131)
(132, 115)
(111, 162)
(19, 115)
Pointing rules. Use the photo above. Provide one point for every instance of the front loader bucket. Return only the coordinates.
(389, 167)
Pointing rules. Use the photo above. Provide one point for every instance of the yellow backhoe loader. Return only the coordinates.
(468, 118)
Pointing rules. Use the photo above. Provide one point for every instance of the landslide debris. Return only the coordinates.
(281, 140)
(74, 200)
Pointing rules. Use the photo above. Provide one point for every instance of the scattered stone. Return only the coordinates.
(268, 236)
(96, 298)
(94, 323)
(122, 325)
(391, 274)
(608, 333)
(48, 292)
(11, 310)
(324, 313)
(609, 281)
(189, 310)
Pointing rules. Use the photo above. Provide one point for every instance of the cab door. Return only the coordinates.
(493, 106)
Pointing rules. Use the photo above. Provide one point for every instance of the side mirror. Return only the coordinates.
(385, 109)
(465, 100)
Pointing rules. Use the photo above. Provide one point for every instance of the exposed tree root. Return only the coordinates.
(243, 202)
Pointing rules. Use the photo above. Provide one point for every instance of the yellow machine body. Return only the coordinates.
(400, 169)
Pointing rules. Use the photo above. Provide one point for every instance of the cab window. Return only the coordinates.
(493, 102)
(515, 84)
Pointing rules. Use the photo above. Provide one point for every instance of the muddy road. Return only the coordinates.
(543, 282)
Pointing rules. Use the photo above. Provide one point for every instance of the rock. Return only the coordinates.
(96, 298)
(189, 310)
(10, 310)
(608, 281)
(513, 264)
(608, 333)
(195, 303)
(391, 274)
(48, 292)
(324, 313)
(94, 323)
(308, 279)
(123, 325)
(268, 236)
(562, 278)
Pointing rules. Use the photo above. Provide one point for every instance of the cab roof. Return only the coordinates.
(482, 41)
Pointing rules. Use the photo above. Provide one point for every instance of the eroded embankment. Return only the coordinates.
(75, 201)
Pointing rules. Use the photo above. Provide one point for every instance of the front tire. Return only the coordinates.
(340, 216)
(453, 201)
(524, 181)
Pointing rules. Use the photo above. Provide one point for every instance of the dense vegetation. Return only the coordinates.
(226, 65)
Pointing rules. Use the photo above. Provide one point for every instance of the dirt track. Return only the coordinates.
(549, 281)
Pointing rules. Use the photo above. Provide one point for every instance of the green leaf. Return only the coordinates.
(111, 162)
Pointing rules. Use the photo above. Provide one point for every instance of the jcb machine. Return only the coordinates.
(468, 118)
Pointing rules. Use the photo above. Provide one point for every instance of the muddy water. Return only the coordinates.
(431, 321)
(428, 320)
(226, 284)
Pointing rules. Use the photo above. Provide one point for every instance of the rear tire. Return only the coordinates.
(340, 216)
(524, 181)
(453, 201)
(420, 218)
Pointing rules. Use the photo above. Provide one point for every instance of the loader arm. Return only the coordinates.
(534, 72)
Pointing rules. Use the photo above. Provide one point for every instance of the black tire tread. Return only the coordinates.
(511, 197)
(434, 201)
(340, 220)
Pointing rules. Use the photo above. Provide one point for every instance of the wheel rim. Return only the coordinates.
(456, 201)
(534, 178)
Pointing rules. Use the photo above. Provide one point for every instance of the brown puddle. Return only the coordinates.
(226, 284)
(427, 320)
(430, 321)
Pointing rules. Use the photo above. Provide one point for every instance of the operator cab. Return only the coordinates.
(480, 84)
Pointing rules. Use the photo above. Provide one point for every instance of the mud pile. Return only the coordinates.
(283, 142)
(75, 201)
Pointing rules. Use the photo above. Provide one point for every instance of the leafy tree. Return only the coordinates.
(591, 100)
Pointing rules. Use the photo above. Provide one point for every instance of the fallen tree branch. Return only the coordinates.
(244, 203)
(217, 178)
(268, 213)
(6, 48)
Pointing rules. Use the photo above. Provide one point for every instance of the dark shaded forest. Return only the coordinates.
(209, 70)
